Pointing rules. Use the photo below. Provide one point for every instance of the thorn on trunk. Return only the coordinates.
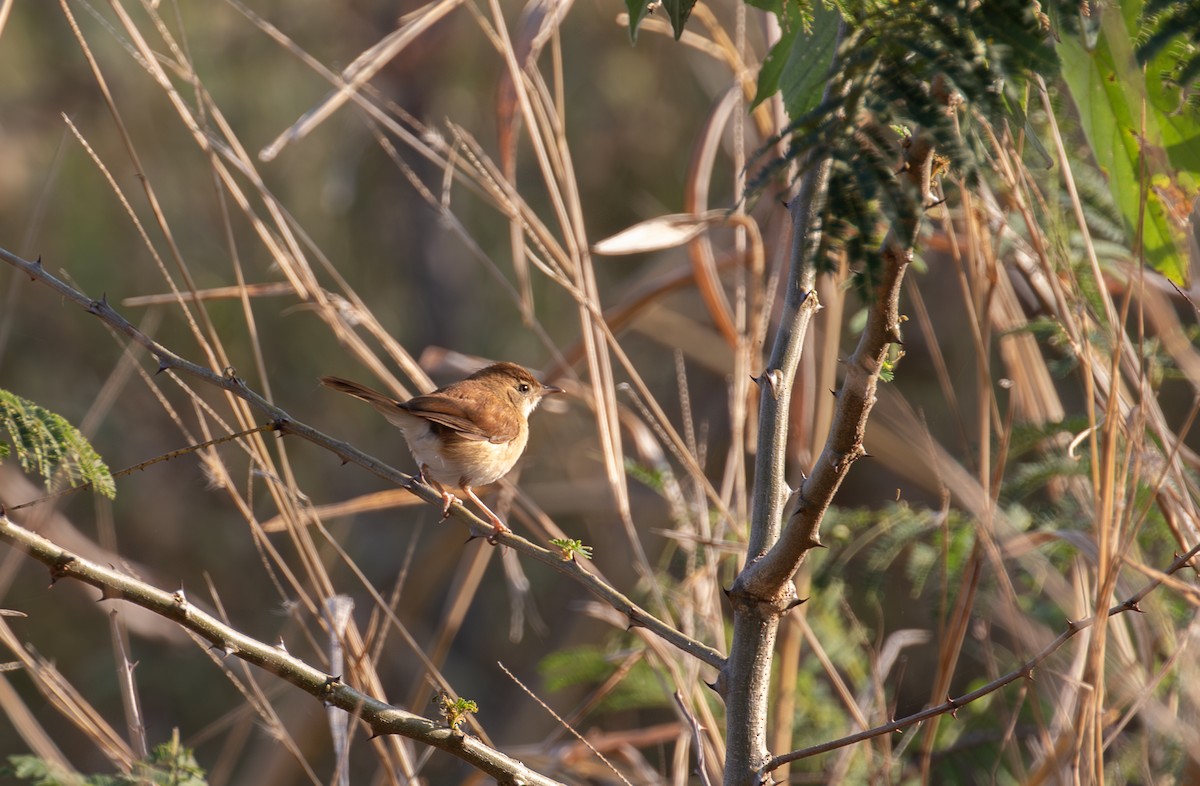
(60, 569)
(773, 379)
(794, 603)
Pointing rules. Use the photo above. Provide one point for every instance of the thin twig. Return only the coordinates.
(565, 725)
(174, 454)
(697, 737)
(230, 382)
(1025, 670)
(381, 717)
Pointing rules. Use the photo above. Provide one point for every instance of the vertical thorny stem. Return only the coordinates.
(745, 680)
(763, 592)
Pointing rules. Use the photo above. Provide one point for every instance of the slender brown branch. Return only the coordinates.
(744, 683)
(763, 591)
(229, 381)
(1024, 671)
(537, 699)
(381, 717)
(769, 576)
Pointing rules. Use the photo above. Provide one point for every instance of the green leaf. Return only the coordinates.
(772, 67)
(1021, 120)
(39, 772)
(678, 12)
(637, 12)
(804, 73)
(169, 764)
(795, 18)
(1108, 88)
(47, 444)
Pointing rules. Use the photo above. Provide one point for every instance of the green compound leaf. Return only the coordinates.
(47, 444)
(1111, 89)
(169, 764)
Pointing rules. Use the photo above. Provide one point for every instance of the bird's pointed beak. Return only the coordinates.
(548, 389)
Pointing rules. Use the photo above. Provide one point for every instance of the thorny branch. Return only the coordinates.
(229, 381)
(763, 592)
(381, 717)
(1024, 671)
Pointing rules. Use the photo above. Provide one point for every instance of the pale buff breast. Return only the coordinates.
(461, 462)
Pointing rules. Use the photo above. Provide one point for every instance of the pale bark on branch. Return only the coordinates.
(763, 592)
(381, 717)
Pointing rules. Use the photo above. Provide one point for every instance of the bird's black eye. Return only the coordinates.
(523, 387)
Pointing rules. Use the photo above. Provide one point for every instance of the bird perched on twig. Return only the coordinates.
(469, 433)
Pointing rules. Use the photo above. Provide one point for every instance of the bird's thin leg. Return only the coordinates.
(492, 517)
(448, 499)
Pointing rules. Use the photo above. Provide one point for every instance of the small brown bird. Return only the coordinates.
(469, 433)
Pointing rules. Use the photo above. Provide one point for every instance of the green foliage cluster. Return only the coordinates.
(924, 542)
(454, 709)
(169, 764)
(1174, 23)
(589, 665)
(572, 547)
(47, 444)
(900, 66)
(1136, 107)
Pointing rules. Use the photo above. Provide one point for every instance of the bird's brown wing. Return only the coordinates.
(464, 416)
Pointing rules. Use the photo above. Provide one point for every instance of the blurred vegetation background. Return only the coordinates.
(632, 116)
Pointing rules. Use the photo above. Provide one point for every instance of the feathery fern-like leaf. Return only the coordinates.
(904, 65)
(1174, 23)
(47, 444)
